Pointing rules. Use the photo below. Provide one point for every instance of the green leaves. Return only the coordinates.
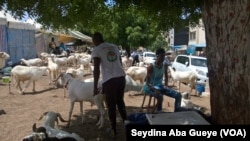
(129, 23)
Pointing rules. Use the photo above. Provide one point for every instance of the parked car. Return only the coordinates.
(148, 57)
(192, 63)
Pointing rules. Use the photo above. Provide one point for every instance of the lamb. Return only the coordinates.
(137, 73)
(32, 62)
(3, 57)
(23, 73)
(79, 91)
(188, 77)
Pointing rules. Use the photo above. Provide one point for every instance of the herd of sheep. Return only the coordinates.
(69, 72)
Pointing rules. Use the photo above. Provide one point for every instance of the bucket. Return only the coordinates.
(200, 88)
(6, 79)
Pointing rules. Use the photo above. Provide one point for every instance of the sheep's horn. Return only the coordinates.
(71, 74)
(58, 77)
(34, 127)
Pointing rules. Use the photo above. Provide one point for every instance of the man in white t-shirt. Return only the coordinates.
(107, 56)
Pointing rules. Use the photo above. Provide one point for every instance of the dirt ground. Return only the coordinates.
(19, 112)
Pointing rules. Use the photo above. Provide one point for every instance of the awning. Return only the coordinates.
(81, 36)
(65, 38)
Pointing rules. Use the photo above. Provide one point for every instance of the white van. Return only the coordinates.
(192, 63)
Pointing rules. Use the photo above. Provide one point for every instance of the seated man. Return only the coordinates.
(52, 45)
(64, 48)
(155, 72)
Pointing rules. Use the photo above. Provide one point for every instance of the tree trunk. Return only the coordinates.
(227, 26)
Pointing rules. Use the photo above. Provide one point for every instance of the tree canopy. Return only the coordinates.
(126, 23)
(70, 13)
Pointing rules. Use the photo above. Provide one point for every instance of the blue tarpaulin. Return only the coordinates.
(16, 38)
(21, 44)
(3, 38)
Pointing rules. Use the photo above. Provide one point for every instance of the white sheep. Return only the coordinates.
(85, 61)
(47, 133)
(3, 57)
(79, 91)
(48, 128)
(72, 60)
(137, 73)
(62, 62)
(185, 101)
(90, 79)
(30, 73)
(140, 64)
(53, 69)
(32, 62)
(132, 85)
(77, 73)
(44, 55)
(188, 77)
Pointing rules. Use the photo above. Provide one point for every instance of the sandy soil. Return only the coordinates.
(19, 112)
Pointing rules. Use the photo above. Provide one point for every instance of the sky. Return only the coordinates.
(31, 21)
(26, 19)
